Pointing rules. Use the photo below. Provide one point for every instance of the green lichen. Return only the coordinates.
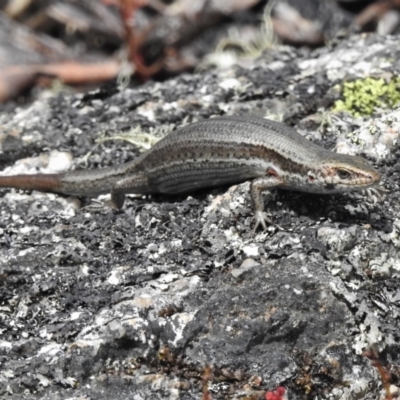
(363, 96)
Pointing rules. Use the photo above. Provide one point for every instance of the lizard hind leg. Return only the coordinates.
(137, 183)
(117, 200)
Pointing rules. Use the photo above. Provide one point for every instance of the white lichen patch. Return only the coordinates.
(250, 250)
(230, 83)
(384, 265)
(376, 137)
(117, 275)
(179, 322)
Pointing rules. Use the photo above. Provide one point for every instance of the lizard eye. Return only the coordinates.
(343, 174)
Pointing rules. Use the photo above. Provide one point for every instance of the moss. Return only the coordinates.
(364, 96)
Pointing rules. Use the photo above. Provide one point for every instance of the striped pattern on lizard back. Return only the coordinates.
(226, 151)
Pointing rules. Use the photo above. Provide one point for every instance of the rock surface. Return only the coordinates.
(174, 294)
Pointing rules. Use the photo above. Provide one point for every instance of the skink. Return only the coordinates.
(213, 152)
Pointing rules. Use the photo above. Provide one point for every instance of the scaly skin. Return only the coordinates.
(217, 151)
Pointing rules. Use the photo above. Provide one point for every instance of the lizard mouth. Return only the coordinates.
(373, 176)
(370, 179)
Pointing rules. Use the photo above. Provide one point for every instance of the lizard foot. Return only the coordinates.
(261, 219)
(98, 205)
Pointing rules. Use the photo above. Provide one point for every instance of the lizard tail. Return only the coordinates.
(41, 182)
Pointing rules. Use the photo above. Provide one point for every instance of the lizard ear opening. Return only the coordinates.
(271, 172)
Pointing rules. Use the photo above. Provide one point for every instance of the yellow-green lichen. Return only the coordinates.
(363, 96)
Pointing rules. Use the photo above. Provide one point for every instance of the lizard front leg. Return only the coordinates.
(257, 188)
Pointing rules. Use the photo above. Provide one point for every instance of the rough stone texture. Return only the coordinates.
(141, 303)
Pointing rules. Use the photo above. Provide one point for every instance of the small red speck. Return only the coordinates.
(277, 394)
(280, 390)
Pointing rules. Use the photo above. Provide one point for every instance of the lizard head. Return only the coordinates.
(346, 173)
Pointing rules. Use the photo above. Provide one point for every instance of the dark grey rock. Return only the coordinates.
(100, 304)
